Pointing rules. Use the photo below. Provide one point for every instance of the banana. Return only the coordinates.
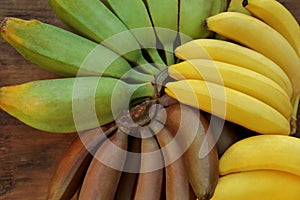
(177, 184)
(274, 152)
(278, 17)
(150, 183)
(164, 16)
(140, 26)
(236, 6)
(74, 164)
(127, 183)
(112, 151)
(237, 55)
(53, 105)
(229, 104)
(258, 185)
(198, 147)
(237, 78)
(202, 170)
(192, 15)
(58, 51)
(94, 20)
(260, 37)
(219, 6)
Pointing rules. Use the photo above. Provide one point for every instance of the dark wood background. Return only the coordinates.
(27, 156)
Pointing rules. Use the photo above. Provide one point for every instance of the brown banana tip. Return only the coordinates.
(3, 24)
(245, 3)
(205, 24)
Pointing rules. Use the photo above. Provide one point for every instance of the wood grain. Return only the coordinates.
(27, 156)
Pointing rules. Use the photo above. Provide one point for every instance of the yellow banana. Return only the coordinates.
(275, 152)
(234, 54)
(258, 185)
(229, 104)
(237, 78)
(259, 36)
(278, 17)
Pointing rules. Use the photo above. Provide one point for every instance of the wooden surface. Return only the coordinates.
(27, 156)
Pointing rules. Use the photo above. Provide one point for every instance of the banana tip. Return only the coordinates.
(3, 24)
(245, 3)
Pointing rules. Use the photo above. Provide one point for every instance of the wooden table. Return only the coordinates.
(27, 156)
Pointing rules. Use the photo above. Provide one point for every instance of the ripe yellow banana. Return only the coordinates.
(259, 36)
(258, 185)
(232, 53)
(278, 17)
(229, 104)
(237, 78)
(276, 152)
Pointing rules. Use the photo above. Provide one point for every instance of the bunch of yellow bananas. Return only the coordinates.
(251, 80)
(260, 167)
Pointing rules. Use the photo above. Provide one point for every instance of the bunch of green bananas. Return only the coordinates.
(252, 77)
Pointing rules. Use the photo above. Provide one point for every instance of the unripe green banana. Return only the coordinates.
(192, 15)
(164, 15)
(94, 20)
(49, 105)
(219, 6)
(237, 6)
(65, 53)
(134, 15)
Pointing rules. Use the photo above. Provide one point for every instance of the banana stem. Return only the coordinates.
(293, 120)
(144, 66)
(156, 59)
(145, 90)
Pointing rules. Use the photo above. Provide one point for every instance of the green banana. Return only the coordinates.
(192, 15)
(164, 15)
(49, 105)
(65, 53)
(219, 6)
(94, 20)
(135, 16)
(237, 6)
